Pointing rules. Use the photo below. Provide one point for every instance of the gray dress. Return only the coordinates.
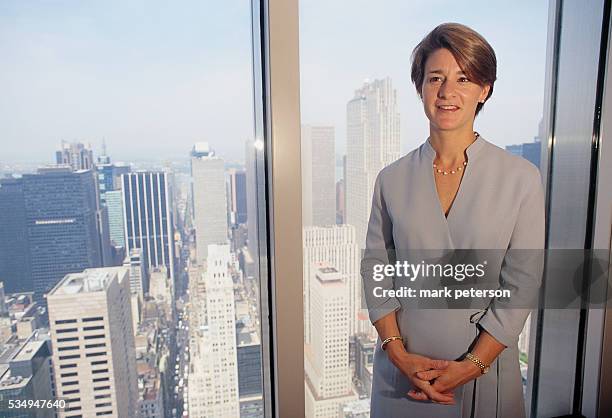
(499, 205)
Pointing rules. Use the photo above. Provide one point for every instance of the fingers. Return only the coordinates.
(441, 387)
(433, 394)
(417, 395)
(438, 364)
(430, 374)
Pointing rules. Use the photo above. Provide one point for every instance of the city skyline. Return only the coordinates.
(125, 82)
(179, 241)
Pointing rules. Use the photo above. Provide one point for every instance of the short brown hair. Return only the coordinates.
(471, 51)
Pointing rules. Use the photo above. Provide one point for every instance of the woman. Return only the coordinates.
(456, 191)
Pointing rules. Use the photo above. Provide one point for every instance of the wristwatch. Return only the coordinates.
(484, 368)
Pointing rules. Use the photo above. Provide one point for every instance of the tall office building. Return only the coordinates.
(373, 142)
(138, 272)
(213, 381)
(326, 358)
(25, 375)
(3, 307)
(531, 151)
(147, 218)
(237, 196)
(109, 176)
(14, 245)
(250, 388)
(61, 224)
(209, 199)
(76, 155)
(94, 357)
(318, 176)
(116, 228)
(340, 202)
(334, 246)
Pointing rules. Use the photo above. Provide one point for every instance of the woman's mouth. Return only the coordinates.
(449, 108)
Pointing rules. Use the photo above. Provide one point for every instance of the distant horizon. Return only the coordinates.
(110, 72)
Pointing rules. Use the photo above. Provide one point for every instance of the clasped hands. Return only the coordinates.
(435, 380)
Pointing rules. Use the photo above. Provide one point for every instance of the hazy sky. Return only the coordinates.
(153, 77)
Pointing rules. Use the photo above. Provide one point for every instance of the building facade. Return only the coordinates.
(209, 199)
(62, 228)
(318, 176)
(76, 155)
(335, 246)
(94, 354)
(326, 357)
(373, 142)
(237, 196)
(147, 218)
(213, 380)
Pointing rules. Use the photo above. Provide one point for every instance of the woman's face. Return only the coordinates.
(449, 98)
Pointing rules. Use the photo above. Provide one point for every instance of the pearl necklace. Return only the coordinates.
(458, 169)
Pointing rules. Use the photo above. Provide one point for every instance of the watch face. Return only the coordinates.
(485, 370)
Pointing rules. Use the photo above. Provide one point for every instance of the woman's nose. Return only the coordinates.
(447, 89)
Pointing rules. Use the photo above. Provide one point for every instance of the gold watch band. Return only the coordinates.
(483, 367)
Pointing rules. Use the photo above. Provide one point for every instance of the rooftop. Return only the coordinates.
(89, 281)
(326, 274)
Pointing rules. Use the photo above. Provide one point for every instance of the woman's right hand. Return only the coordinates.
(410, 364)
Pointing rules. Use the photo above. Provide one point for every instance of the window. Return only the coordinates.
(92, 337)
(96, 318)
(93, 328)
(61, 340)
(164, 143)
(95, 345)
(65, 321)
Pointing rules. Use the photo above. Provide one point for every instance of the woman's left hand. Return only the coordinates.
(445, 380)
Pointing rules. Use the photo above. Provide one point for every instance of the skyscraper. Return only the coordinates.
(109, 176)
(138, 272)
(318, 176)
(213, 381)
(209, 199)
(333, 246)
(326, 358)
(148, 218)
(116, 228)
(25, 375)
(531, 151)
(14, 246)
(250, 388)
(94, 356)
(61, 224)
(340, 202)
(237, 196)
(373, 142)
(76, 155)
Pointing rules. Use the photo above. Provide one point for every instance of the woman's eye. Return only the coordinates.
(463, 79)
(434, 79)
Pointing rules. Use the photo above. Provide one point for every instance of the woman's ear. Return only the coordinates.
(485, 93)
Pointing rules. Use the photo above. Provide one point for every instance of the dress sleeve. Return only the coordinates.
(521, 270)
(380, 250)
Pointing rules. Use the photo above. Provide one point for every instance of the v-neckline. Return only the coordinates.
(456, 199)
(471, 152)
